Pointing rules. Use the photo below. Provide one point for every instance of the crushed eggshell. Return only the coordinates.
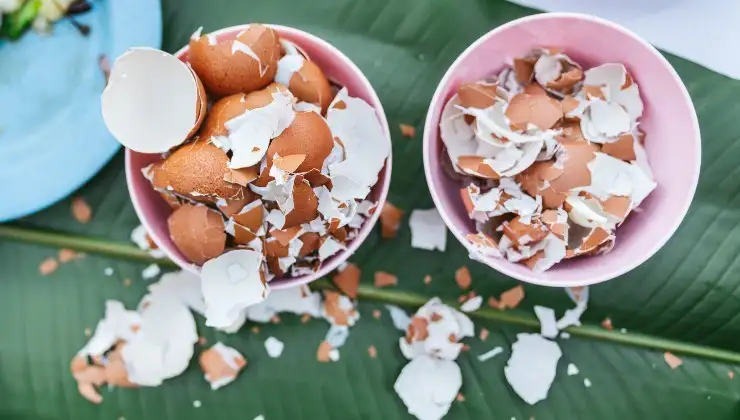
(407, 130)
(390, 220)
(672, 360)
(472, 304)
(532, 366)
(509, 299)
(274, 347)
(436, 329)
(572, 370)
(347, 279)
(428, 230)
(547, 147)
(463, 277)
(48, 266)
(428, 386)
(384, 279)
(221, 365)
(81, 211)
(490, 354)
(399, 317)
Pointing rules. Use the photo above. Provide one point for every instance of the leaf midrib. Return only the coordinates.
(124, 251)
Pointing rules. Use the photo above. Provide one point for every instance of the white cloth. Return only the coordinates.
(698, 30)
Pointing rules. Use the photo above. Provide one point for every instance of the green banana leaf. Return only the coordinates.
(686, 299)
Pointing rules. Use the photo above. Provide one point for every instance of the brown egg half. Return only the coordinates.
(226, 69)
(196, 170)
(198, 232)
(310, 85)
(307, 135)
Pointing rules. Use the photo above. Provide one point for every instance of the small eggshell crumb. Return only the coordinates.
(463, 277)
(672, 360)
(81, 210)
(407, 130)
(348, 280)
(390, 220)
(383, 279)
(48, 266)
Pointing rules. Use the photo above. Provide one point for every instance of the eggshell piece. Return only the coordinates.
(524, 69)
(623, 148)
(242, 176)
(539, 110)
(223, 110)
(198, 232)
(308, 135)
(306, 205)
(153, 101)
(311, 243)
(242, 65)
(306, 80)
(195, 170)
(477, 95)
(475, 165)
(575, 167)
(232, 206)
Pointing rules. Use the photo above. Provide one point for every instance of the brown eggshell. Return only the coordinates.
(263, 97)
(474, 165)
(316, 178)
(225, 73)
(194, 170)
(306, 205)
(515, 230)
(223, 110)
(309, 84)
(273, 263)
(575, 170)
(215, 367)
(477, 95)
(524, 69)
(171, 200)
(276, 249)
(288, 163)
(623, 148)
(307, 135)
(252, 219)
(539, 110)
(311, 243)
(202, 105)
(567, 80)
(234, 205)
(617, 206)
(533, 179)
(242, 176)
(285, 236)
(243, 235)
(198, 232)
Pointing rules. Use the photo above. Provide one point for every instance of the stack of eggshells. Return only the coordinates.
(266, 166)
(551, 157)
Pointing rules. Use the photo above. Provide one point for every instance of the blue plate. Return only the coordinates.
(52, 135)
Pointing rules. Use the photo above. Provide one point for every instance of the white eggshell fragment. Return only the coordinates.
(152, 102)
(428, 386)
(531, 368)
(230, 283)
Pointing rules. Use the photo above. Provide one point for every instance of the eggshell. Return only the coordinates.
(242, 65)
(477, 95)
(575, 170)
(308, 135)
(198, 232)
(524, 69)
(474, 165)
(223, 110)
(306, 80)
(516, 230)
(539, 110)
(196, 170)
(311, 242)
(274, 248)
(234, 205)
(153, 101)
(306, 205)
(251, 217)
(623, 148)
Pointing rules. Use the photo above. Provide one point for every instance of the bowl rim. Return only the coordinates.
(366, 228)
(504, 266)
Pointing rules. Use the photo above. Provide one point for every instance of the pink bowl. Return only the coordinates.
(673, 141)
(153, 211)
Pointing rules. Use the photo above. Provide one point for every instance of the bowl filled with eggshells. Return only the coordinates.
(256, 156)
(562, 150)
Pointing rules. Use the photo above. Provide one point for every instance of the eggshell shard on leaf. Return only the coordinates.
(428, 230)
(428, 386)
(153, 101)
(221, 365)
(231, 283)
(198, 232)
(242, 65)
(531, 368)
